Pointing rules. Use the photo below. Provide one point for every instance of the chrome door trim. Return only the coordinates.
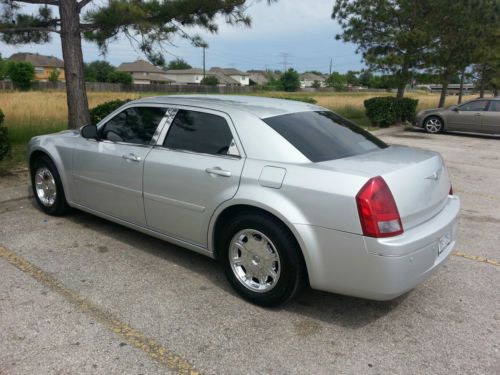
(229, 121)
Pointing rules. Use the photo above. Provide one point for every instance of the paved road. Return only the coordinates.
(79, 295)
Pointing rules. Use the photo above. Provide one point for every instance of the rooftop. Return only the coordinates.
(38, 60)
(139, 66)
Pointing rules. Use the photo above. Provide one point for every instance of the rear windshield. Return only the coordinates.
(323, 135)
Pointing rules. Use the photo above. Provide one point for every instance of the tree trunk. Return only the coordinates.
(444, 90)
(481, 82)
(461, 93)
(403, 80)
(78, 108)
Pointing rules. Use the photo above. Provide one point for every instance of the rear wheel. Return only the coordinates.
(47, 187)
(262, 260)
(433, 125)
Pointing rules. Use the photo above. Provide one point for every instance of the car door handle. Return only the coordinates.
(218, 171)
(477, 114)
(132, 157)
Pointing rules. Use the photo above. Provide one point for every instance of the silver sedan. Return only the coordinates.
(283, 193)
(478, 116)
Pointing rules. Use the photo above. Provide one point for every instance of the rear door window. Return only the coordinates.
(476, 105)
(200, 132)
(495, 106)
(323, 135)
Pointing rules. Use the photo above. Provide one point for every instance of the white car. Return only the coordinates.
(283, 193)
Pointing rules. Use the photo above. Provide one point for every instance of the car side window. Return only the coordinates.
(133, 125)
(495, 106)
(200, 132)
(476, 105)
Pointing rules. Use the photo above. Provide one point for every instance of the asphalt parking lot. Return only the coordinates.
(82, 295)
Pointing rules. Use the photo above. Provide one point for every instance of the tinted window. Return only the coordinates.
(495, 106)
(477, 105)
(133, 125)
(324, 135)
(199, 132)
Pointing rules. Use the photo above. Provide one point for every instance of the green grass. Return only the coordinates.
(22, 132)
(356, 115)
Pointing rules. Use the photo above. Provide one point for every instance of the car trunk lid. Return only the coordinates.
(418, 179)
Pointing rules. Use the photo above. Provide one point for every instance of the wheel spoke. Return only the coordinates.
(254, 260)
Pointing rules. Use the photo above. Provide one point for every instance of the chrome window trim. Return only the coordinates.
(232, 129)
(233, 157)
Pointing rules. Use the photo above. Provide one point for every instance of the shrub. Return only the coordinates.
(5, 149)
(305, 99)
(102, 110)
(387, 110)
(54, 76)
(22, 74)
(406, 109)
(290, 80)
(381, 110)
(119, 77)
(209, 81)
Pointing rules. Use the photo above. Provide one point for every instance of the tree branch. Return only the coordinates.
(48, 2)
(27, 29)
(83, 3)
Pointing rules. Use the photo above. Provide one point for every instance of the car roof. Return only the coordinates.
(259, 106)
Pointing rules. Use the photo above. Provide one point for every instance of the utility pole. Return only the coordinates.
(331, 63)
(204, 70)
(284, 56)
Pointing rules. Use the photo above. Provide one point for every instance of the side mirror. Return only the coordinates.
(455, 109)
(89, 132)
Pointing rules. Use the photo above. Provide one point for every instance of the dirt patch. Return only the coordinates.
(14, 178)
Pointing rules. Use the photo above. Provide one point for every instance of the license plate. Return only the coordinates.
(443, 242)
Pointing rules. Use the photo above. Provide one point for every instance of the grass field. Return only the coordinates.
(40, 112)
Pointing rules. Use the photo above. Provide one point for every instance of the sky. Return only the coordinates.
(291, 33)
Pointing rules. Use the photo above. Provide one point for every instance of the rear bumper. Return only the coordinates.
(379, 269)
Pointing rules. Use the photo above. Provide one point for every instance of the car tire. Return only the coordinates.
(433, 125)
(262, 260)
(47, 187)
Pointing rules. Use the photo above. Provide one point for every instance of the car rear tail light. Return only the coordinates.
(377, 210)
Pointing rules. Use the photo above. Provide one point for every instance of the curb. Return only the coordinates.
(390, 130)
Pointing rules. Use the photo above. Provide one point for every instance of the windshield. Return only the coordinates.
(324, 135)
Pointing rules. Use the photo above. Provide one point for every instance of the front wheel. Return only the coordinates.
(47, 187)
(433, 125)
(262, 260)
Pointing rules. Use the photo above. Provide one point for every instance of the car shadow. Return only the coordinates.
(455, 133)
(329, 308)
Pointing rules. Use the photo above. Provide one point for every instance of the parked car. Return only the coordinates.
(283, 193)
(478, 116)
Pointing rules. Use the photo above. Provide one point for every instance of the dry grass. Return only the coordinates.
(38, 112)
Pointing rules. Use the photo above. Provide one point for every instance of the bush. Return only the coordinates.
(119, 77)
(209, 81)
(22, 74)
(102, 110)
(290, 80)
(5, 148)
(406, 109)
(305, 99)
(387, 110)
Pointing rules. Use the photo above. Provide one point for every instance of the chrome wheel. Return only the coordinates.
(254, 260)
(433, 125)
(45, 187)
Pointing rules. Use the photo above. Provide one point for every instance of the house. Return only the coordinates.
(307, 80)
(191, 76)
(144, 73)
(194, 76)
(260, 77)
(241, 77)
(44, 65)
